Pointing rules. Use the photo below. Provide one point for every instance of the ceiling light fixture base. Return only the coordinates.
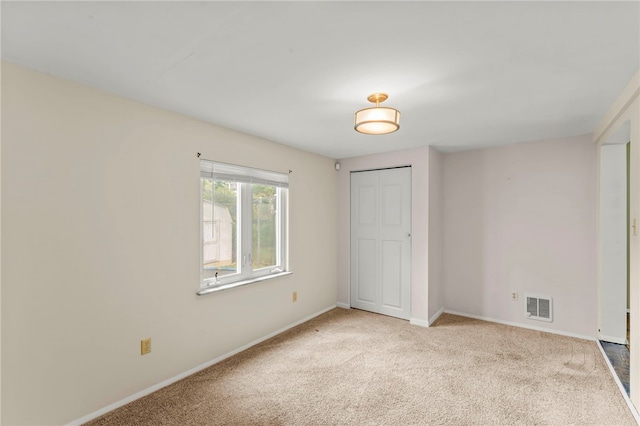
(376, 98)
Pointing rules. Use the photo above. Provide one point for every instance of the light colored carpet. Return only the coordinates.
(349, 367)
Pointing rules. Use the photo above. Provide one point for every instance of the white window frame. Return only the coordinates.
(245, 178)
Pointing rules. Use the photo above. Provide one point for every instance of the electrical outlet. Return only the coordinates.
(514, 296)
(294, 296)
(145, 346)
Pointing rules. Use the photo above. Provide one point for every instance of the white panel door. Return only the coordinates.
(381, 241)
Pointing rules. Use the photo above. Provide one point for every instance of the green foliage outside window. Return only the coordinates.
(264, 217)
(264, 226)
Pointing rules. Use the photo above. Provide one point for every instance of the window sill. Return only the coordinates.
(214, 289)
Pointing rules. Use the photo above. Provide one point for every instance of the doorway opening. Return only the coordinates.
(614, 232)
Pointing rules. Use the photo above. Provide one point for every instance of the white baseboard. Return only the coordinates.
(436, 316)
(632, 408)
(518, 324)
(423, 323)
(618, 340)
(194, 370)
(420, 322)
(343, 305)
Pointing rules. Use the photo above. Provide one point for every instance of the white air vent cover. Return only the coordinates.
(538, 307)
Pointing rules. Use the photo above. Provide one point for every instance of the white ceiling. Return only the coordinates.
(463, 74)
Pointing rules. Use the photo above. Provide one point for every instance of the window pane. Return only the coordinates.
(265, 230)
(219, 228)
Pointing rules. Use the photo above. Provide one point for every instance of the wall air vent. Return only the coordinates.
(538, 307)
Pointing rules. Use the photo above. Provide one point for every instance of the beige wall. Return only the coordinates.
(100, 247)
(522, 218)
(436, 236)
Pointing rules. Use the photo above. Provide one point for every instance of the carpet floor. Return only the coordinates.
(350, 367)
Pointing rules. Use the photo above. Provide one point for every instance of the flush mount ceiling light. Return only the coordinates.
(377, 120)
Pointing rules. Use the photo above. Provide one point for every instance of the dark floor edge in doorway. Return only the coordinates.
(619, 358)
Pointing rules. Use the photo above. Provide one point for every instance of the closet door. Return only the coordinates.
(381, 241)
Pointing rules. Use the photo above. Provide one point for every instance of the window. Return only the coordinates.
(243, 224)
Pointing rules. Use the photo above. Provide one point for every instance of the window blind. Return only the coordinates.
(233, 173)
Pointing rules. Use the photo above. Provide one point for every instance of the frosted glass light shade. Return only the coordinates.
(377, 120)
